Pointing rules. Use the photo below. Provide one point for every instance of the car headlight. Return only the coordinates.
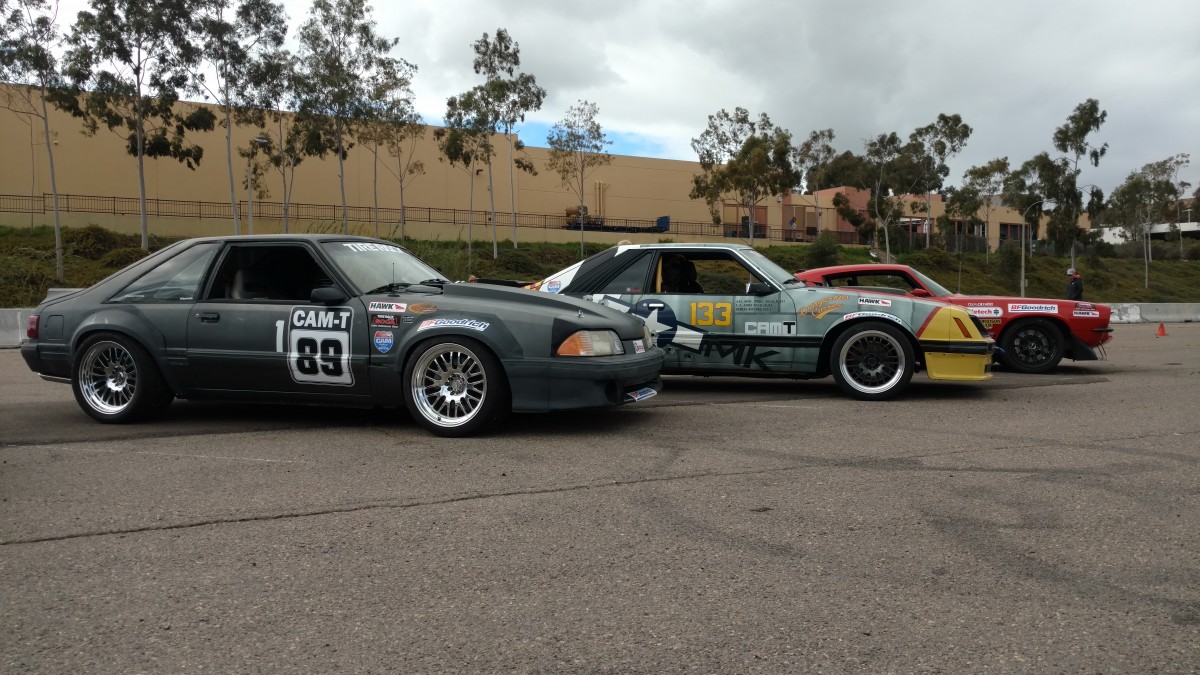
(591, 343)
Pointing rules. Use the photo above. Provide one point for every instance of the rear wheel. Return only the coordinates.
(872, 361)
(455, 387)
(116, 380)
(1033, 346)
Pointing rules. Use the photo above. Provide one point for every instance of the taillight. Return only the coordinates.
(31, 327)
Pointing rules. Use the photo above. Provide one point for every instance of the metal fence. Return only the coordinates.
(201, 210)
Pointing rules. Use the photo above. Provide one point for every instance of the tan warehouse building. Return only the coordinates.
(97, 183)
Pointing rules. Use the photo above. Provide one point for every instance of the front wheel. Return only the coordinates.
(872, 361)
(455, 387)
(1033, 346)
(116, 380)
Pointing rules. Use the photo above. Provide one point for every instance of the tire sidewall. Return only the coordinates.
(1049, 330)
(909, 366)
(495, 405)
(140, 404)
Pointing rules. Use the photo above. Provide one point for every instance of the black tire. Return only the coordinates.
(455, 387)
(1032, 346)
(116, 381)
(872, 361)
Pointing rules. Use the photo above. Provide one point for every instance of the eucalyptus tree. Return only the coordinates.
(286, 131)
(132, 57)
(1148, 196)
(237, 39)
(942, 139)
(402, 144)
(742, 160)
(504, 99)
(462, 144)
(577, 148)
(342, 61)
(29, 65)
(811, 159)
(390, 113)
(987, 181)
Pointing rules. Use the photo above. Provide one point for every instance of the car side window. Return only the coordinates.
(724, 275)
(251, 272)
(176, 279)
(631, 280)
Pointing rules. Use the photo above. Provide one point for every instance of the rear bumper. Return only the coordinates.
(541, 385)
(51, 361)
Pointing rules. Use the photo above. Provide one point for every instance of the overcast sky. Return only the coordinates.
(1014, 69)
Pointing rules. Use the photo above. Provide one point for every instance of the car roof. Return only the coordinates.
(680, 245)
(316, 238)
(858, 267)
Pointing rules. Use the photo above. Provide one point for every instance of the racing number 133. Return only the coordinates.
(712, 314)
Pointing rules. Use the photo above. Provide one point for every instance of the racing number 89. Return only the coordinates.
(329, 354)
(320, 357)
(712, 314)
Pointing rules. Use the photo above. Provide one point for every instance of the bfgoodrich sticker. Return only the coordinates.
(1032, 307)
(453, 323)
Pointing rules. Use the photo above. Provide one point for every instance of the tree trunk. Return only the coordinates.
(492, 200)
(58, 243)
(141, 155)
(233, 205)
(342, 178)
(512, 194)
(284, 161)
(470, 212)
(582, 206)
(375, 184)
(400, 172)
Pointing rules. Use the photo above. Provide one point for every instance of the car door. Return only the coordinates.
(704, 312)
(256, 331)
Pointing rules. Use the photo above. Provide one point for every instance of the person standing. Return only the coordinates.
(1075, 286)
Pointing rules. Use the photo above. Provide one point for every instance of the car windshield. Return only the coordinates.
(371, 265)
(769, 268)
(933, 286)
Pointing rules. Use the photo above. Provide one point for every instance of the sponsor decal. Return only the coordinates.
(990, 323)
(770, 328)
(980, 304)
(1085, 306)
(422, 308)
(394, 307)
(553, 286)
(362, 246)
(985, 311)
(875, 302)
(640, 394)
(872, 315)
(1032, 307)
(385, 320)
(317, 344)
(1087, 313)
(639, 347)
(453, 323)
(384, 341)
(408, 318)
(819, 308)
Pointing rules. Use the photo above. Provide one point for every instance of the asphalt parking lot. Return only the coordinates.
(1030, 523)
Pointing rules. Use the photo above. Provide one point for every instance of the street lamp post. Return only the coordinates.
(1024, 226)
(254, 143)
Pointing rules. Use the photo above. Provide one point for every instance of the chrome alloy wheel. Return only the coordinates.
(449, 385)
(108, 377)
(872, 362)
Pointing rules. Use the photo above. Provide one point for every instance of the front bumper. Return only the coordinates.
(963, 362)
(571, 383)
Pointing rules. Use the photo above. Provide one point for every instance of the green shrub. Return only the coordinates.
(121, 257)
(823, 252)
(92, 242)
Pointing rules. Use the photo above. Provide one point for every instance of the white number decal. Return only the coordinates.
(319, 345)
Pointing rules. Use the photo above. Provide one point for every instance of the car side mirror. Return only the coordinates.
(327, 295)
(920, 293)
(759, 288)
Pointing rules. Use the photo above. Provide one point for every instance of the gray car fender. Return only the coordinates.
(128, 321)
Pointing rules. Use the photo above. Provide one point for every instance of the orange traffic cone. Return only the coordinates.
(1162, 330)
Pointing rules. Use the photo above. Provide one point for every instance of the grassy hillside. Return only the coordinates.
(27, 266)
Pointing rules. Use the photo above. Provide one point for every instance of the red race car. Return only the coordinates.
(1034, 333)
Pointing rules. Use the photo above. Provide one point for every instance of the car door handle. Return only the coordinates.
(209, 317)
(655, 305)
